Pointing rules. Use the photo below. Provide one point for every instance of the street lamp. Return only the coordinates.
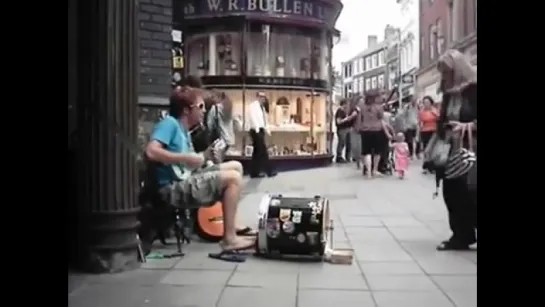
(399, 69)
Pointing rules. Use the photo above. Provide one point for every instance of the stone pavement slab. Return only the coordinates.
(393, 226)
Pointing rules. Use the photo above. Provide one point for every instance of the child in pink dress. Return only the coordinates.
(401, 155)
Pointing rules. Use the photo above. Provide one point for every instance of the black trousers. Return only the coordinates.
(410, 135)
(461, 204)
(260, 156)
(343, 137)
(425, 137)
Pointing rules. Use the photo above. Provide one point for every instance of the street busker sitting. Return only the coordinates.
(181, 169)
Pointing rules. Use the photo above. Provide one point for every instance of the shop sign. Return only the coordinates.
(267, 82)
(320, 10)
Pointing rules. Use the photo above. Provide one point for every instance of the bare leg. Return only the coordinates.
(235, 166)
(231, 182)
(232, 165)
(376, 160)
(367, 164)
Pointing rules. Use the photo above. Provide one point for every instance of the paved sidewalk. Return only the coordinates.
(393, 226)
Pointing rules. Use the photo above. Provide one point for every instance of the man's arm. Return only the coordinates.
(253, 116)
(161, 136)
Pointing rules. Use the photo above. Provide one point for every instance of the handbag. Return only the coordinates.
(463, 159)
(437, 152)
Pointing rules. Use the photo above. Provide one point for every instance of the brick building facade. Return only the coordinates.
(444, 24)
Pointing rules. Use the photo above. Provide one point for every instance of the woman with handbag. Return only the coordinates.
(371, 128)
(454, 152)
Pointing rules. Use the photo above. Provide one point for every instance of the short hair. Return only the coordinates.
(192, 81)
(429, 98)
(343, 102)
(182, 98)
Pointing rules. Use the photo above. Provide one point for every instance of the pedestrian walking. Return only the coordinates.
(428, 125)
(401, 155)
(344, 122)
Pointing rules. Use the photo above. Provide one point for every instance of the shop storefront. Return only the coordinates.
(281, 48)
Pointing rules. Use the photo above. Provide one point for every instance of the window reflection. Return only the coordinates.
(281, 51)
(214, 54)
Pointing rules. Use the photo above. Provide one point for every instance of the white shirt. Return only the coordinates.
(258, 116)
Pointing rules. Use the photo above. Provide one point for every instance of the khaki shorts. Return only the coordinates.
(203, 188)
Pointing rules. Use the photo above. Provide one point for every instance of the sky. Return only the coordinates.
(358, 19)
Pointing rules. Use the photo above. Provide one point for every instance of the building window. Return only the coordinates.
(381, 81)
(375, 60)
(432, 35)
(361, 85)
(381, 58)
(374, 82)
(368, 65)
(440, 37)
(367, 84)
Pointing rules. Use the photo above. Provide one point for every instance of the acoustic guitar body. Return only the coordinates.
(209, 224)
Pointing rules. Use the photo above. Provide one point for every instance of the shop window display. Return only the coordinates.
(297, 122)
(214, 54)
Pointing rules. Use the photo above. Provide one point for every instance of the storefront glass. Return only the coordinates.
(282, 51)
(298, 122)
(214, 54)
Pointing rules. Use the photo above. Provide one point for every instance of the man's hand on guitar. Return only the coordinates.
(215, 151)
(197, 160)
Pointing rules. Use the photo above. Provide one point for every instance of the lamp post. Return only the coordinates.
(399, 70)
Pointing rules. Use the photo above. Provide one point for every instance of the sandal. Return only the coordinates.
(234, 252)
(450, 245)
(377, 174)
(246, 232)
(230, 256)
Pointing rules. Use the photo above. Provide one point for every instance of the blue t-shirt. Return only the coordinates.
(176, 139)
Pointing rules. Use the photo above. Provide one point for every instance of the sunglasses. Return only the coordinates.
(200, 106)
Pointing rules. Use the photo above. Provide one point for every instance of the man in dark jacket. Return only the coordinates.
(343, 123)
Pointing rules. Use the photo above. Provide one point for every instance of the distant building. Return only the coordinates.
(444, 24)
(410, 51)
(367, 70)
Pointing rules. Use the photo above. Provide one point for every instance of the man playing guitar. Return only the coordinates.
(191, 184)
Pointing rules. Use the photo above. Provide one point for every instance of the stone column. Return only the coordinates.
(107, 118)
(456, 19)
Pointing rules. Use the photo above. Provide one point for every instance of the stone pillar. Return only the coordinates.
(107, 119)
(456, 20)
